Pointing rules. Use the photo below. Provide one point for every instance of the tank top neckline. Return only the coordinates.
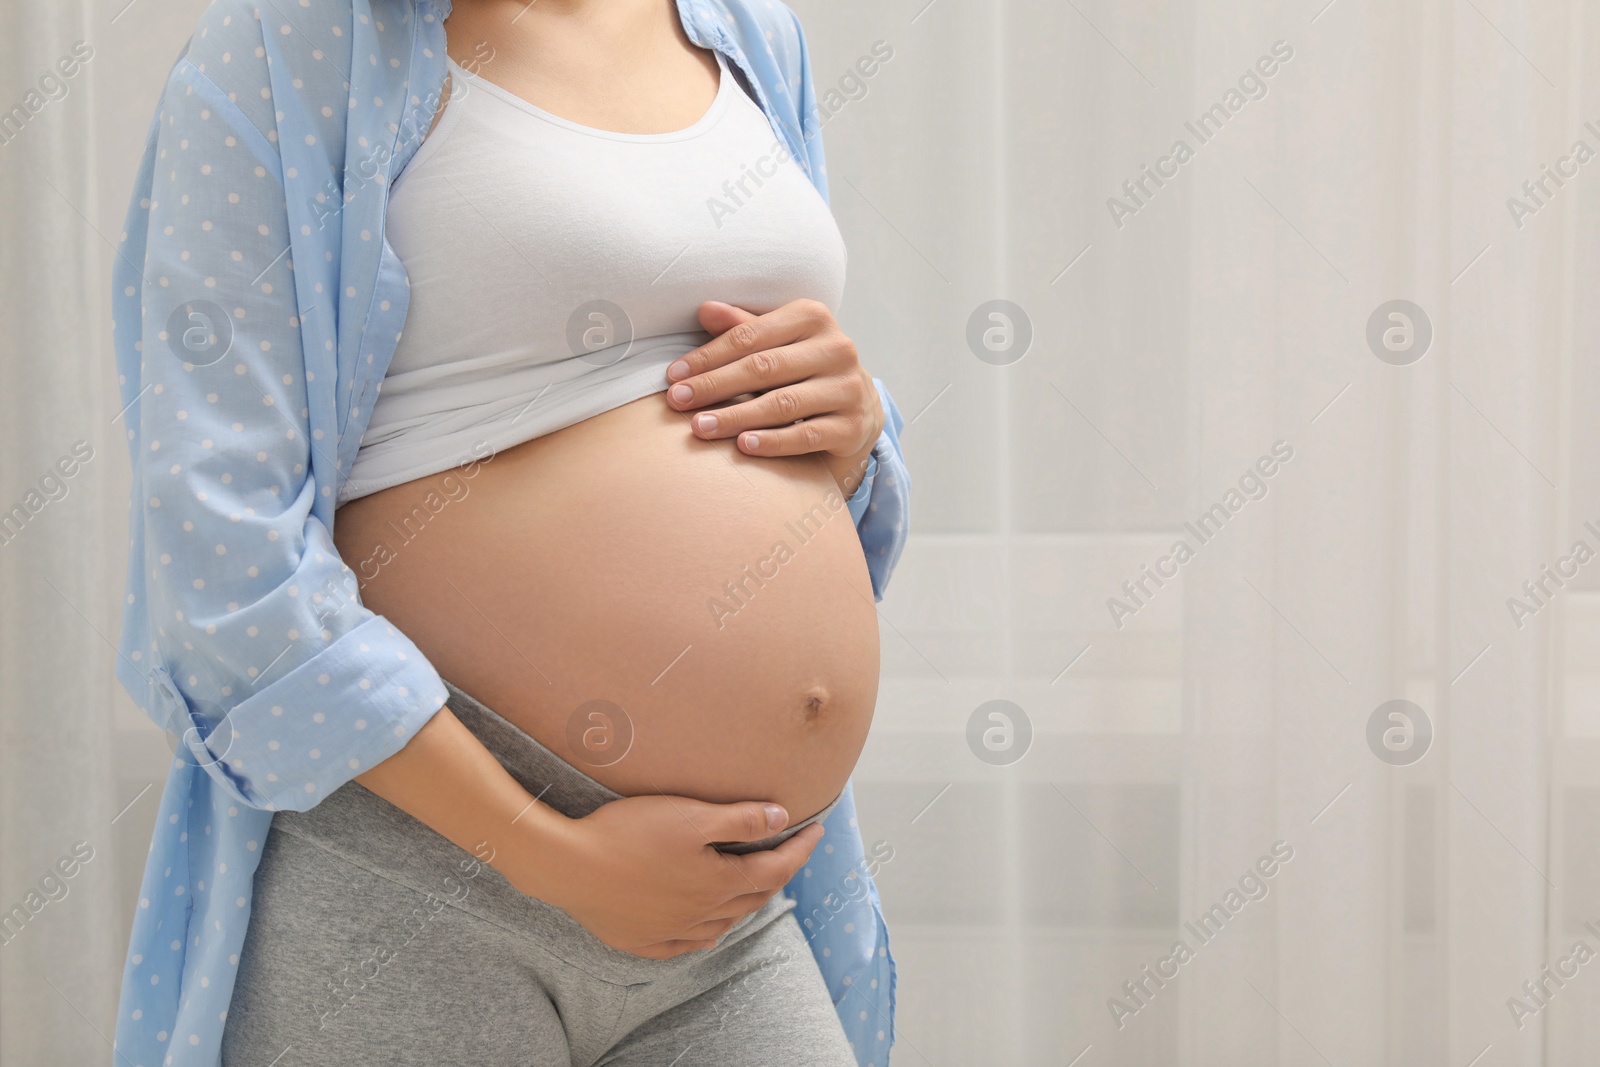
(705, 122)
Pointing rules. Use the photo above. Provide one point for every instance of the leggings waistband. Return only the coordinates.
(558, 783)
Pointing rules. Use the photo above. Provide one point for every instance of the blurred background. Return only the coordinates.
(1306, 288)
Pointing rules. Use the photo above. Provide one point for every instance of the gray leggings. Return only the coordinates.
(373, 940)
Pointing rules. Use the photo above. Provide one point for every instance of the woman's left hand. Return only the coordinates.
(812, 393)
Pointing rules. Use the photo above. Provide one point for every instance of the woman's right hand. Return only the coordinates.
(641, 875)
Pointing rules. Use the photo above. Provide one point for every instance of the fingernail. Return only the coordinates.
(679, 369)
(777, 818)
(752, 440)
(681, 393)
(706, 422)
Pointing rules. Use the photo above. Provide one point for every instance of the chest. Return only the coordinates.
(510, 220)
(362, 270)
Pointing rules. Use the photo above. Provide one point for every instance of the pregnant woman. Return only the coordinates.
(509, 511)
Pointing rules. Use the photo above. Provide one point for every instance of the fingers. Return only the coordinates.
(838, 434)
(747, 820)
(717, 318)
(741, 906)
(711, 928)
(789, 323)
(763, 370)
(705, 934)
(771, 870)
(778, 407)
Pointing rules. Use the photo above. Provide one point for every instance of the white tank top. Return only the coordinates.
(556, 270)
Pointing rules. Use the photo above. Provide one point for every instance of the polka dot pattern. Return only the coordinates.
(880, 506)
(256, 306)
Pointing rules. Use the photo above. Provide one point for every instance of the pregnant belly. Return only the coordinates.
(667, 614)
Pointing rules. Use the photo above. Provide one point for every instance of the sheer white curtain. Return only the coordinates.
(1178, 338)
(61, 536)
(1180, 733)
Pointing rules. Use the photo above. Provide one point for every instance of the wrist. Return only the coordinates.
(446, 779)
(536, 851)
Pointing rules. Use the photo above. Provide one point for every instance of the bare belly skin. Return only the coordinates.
(720, 601)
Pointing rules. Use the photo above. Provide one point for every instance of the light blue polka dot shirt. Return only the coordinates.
(256, 307)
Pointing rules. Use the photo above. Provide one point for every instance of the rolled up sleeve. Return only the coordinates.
(279, 681)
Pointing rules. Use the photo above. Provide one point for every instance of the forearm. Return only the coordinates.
(447, 780)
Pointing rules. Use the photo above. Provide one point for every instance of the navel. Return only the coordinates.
(813, 704)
